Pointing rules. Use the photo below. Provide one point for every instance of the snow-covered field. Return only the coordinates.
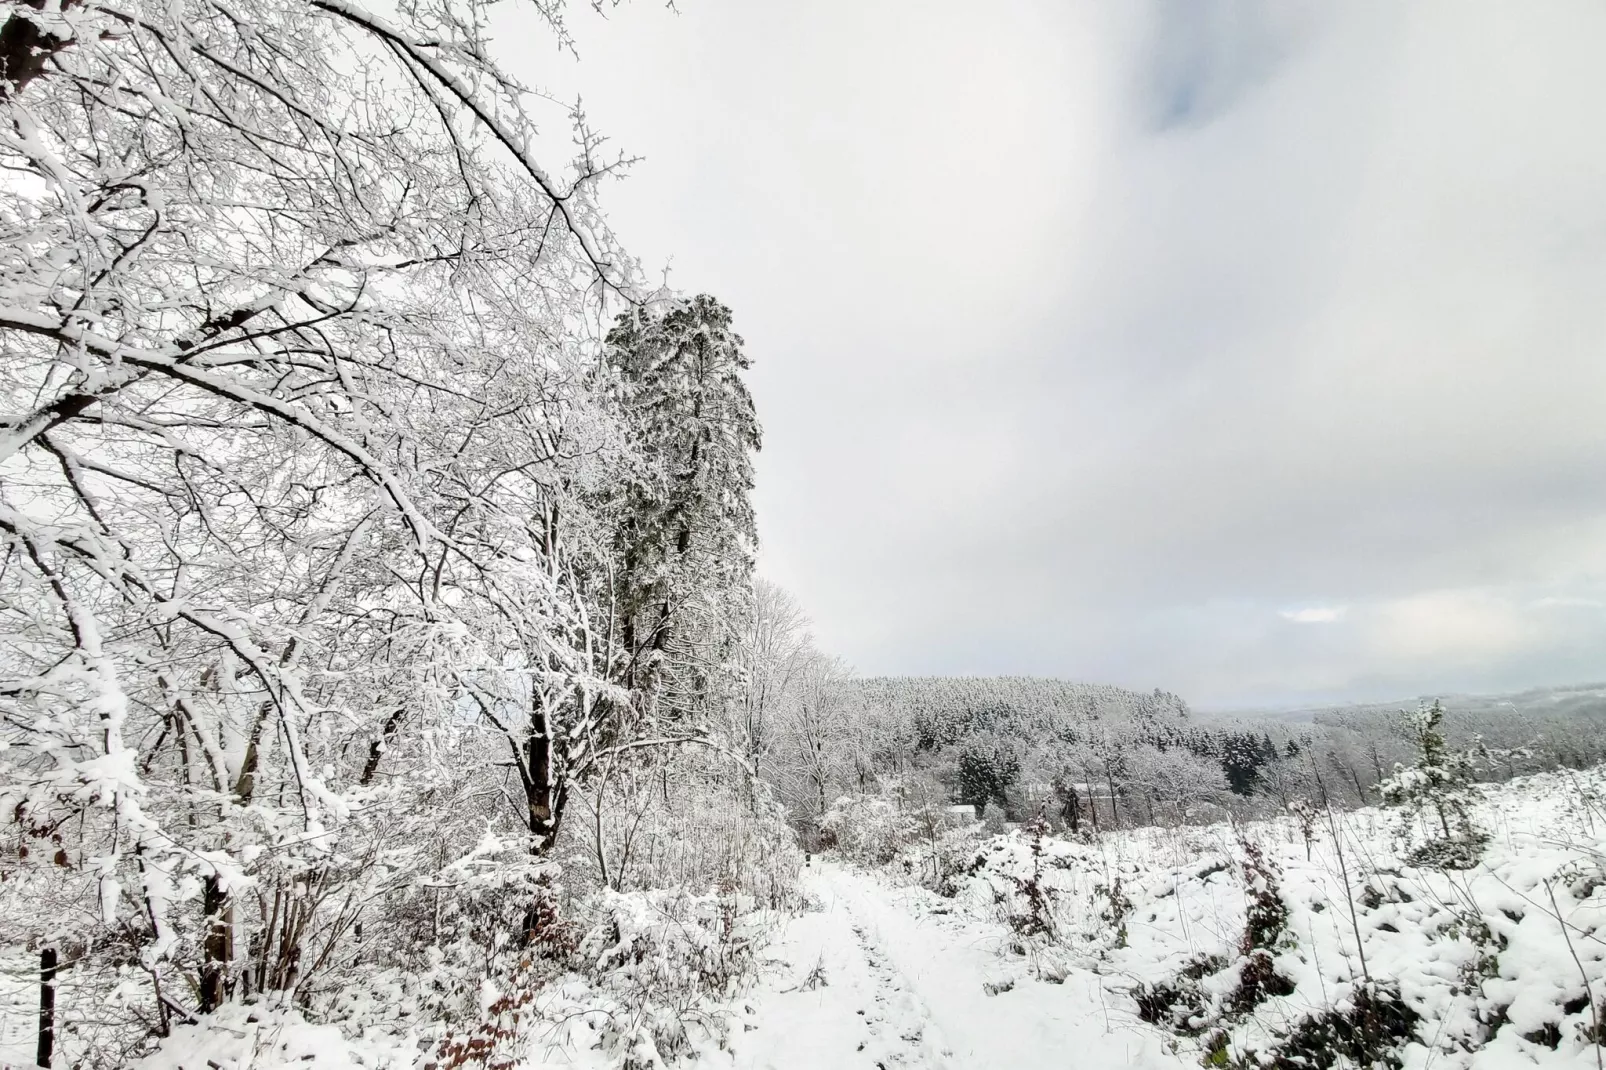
(1497, 964)
(1500, 965)
(1126, 951)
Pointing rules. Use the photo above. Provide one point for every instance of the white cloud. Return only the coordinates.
(1567, 602)
(1313, 614)
(1465, 626)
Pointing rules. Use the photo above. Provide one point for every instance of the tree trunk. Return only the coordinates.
(47, 1006)
(544, 802)
(652, 681)
(543, 798)
(376, 748)
(217, 946)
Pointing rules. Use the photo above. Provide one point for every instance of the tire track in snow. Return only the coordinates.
(906, 990)
(838, 999)
(901, 1008)
(947, 961)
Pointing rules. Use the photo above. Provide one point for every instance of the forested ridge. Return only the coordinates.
(1085, 752)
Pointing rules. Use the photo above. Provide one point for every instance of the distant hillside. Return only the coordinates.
(984, 734)
(1570, 701)
(944, 709)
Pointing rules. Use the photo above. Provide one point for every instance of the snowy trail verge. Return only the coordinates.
(871, 979)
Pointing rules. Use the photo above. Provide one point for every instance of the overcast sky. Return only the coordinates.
(1253, 351)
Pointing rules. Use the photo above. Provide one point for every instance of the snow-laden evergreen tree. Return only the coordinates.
(687, 533)
(986, 769)
(1435, 795)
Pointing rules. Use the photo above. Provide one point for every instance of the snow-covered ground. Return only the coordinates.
(1497, 966)
(1049, 952)
(879, 977)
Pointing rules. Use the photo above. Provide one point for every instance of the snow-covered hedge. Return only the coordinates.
(641, 979)
(875, 828)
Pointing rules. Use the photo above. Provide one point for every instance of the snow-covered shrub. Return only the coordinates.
(642, 977)
(1211, 989)
(492, 1038)
(102, 998)
(645, 976)
(1368, 1031)
(273, 1034)
(1114, 908)
(499, 896)
(1435, 794)
(909, 827)
(670, 960)
(1034, 917)
(868, 829)
(1305, 815)
(722, 831)
(1484, 963)
(657, 940)
(1265, 927)
(942, 861)
(1462, 970)
(872, 829)
(496, 916)
(1180, 1003)
(993, 820)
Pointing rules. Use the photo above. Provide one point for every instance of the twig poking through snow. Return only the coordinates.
(1589, 993)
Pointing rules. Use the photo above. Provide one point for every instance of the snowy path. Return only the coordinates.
(904, 989)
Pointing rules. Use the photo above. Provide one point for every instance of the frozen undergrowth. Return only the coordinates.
(635, 980)
(1500, 965)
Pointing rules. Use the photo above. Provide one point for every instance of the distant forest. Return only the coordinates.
(1106, 756)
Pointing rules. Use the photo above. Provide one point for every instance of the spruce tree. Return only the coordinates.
(1436, 791)
(686, 529)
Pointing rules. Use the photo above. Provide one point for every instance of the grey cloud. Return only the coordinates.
(1091, 338)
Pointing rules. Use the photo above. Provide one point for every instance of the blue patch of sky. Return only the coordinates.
(1206, 55)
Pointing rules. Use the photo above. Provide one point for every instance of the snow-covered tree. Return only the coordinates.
(817, 749)
(773, 650)
(1436, 792)
(306, 455)
(687, 531)
(1174, 784)
(986, 768)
